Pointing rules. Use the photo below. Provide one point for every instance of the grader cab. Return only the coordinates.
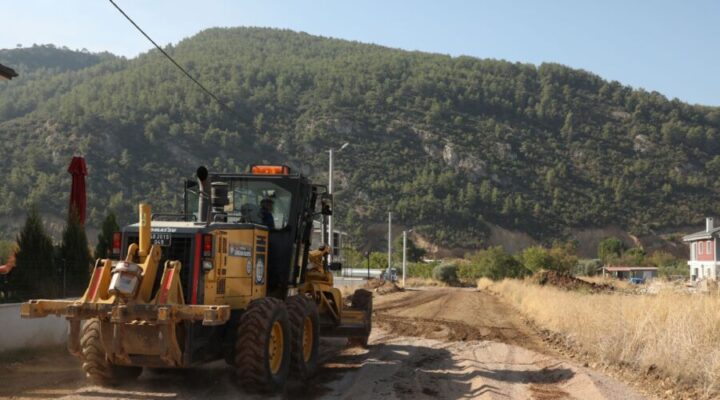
(233, 277)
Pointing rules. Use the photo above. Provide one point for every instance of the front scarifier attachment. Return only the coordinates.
(362, 300)
(336, 318)
(126, 325)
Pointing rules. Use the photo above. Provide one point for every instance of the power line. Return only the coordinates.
(209, 93)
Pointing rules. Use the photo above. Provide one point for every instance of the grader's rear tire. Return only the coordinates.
(362, 300)
(95, 363)
(262, 349)
(305, 330)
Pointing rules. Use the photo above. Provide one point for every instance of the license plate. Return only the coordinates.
(161, 239)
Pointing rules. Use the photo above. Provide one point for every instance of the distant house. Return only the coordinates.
(627, 272)
(7, 73)
(703, 261)
(339, 239)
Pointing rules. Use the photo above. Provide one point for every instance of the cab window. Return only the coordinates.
(247, 198)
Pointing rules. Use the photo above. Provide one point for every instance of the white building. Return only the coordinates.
(703, 261)
(338, 241)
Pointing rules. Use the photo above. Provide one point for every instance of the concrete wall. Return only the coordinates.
(17, 333)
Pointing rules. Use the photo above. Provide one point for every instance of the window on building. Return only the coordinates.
(700, 248)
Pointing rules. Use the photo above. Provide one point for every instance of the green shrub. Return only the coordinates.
(610, 249)
(420, 270)
(560, 257)
(470, 273)
(495, 263)
(446, 273)
(536, 258)
(588, 267)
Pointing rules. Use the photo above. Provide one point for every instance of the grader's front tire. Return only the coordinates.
(362, 300)
(262, 349)
(305, 336)
(94, 361)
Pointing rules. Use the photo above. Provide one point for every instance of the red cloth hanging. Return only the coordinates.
(78, 200)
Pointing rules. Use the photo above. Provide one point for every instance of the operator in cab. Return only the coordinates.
(266, 209)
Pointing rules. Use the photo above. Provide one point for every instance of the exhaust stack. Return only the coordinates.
(202, 176)
(144, 230)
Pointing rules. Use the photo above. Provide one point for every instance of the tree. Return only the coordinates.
(560, 257)
(378, 260)
(661, 258)
(634, 256)
(414, 253)
(567, 129)
(495, 263)
(35, 274)
(446, 273)
(610, 248)
(105, 237)
(564, 256)
(7, 250)
(75, 256)
(535, 258)
(667, 264)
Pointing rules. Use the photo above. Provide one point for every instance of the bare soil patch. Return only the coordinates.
(445, 343)
(382, 286)
(565, 280)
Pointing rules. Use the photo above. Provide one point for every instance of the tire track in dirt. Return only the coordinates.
(431, 344)
(491, 347)
(453, 315)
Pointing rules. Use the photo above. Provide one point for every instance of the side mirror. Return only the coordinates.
(335, 266)
(326, 204)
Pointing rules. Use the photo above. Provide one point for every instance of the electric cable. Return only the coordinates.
(206, 90)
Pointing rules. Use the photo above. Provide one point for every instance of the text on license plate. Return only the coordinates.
(161, 239)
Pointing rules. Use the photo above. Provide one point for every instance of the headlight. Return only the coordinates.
(207, 265)
(125, 279)
(259, 270)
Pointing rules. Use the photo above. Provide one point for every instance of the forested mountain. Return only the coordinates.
(449, 144)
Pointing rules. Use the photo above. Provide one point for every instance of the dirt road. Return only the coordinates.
(435, 343)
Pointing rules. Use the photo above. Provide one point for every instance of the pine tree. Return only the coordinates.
(75, 256)
(35, 274)
(568, 129)
(105, 237)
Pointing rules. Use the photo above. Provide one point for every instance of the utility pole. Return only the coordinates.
(331, 227)
(404, 256)
(404, 262)
(330, 217)
(389, 243)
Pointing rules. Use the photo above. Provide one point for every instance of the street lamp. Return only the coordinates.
(404, 262)
(389, 247)
(367, 255)
(331, 238)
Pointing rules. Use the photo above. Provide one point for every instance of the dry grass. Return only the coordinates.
(675, 334)
(484, 283)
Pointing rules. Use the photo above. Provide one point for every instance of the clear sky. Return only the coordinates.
(672, 47)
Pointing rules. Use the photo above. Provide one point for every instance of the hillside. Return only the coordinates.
(450, 144)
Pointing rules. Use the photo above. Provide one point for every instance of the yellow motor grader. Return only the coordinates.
(232, 277)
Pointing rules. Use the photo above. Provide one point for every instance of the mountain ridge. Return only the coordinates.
(450, 144)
